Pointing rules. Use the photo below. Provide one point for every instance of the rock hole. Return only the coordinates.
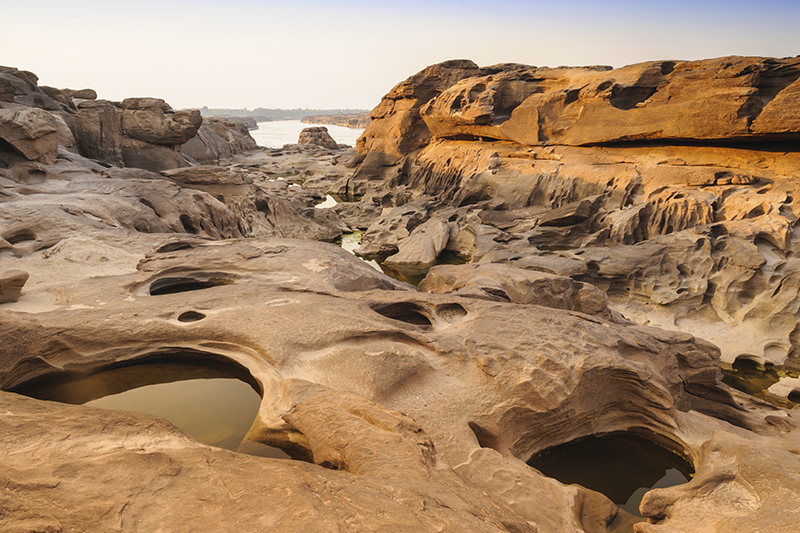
(628, 97)
(184, 284)
(485, 438)
(34, 177)
(746, 361)
(667, 67)
(458, 102)
(262, 206)
(451, 313)
(173, 246)
(408, 312)
(621, 465)
(147, 203)
(757, 211)
(571, 96)
(188, 224)
(476, 91)
(794, 396)
(191, 316)
(21, 236)
(604, 86)
(470, 200)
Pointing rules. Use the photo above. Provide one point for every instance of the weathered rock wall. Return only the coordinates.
(137, 132)
(692, 227)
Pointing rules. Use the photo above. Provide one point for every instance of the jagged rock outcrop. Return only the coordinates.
(21, 88)
(705, 228)
(413, 409)
(137, 132)
(725, 98)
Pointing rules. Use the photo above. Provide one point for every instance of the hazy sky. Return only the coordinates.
(314, 54)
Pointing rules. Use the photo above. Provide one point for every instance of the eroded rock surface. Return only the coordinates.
(415, 409)
(689, 234)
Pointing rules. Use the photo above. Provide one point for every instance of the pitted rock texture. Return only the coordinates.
(417, 409)
(688, 233)
(340, 351)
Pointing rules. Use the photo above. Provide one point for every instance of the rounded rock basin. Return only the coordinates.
(622, 466)
(213, 402)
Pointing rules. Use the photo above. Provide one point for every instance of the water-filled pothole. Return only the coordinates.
(623, 466)
(214, 402)
(749, 377)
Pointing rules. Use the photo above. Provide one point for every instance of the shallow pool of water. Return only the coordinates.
(622, 466)
(216, 411)
(213, 402)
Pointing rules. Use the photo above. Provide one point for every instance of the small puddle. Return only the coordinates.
(351, 242)
(215, 403)
(622, 466)
(329, 201)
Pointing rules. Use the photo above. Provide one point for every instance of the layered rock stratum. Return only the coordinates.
(627, 231)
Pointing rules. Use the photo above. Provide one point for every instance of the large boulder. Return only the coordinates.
(31, 132)
(145, 134)
(218, 141)
(418, 253)
(153, 121)
(318, 136)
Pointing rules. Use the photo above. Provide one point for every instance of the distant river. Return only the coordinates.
(276, 134)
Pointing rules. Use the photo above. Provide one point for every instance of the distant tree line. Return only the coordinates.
(261, 114)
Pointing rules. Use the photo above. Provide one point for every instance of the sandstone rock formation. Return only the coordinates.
(137, 132)
(30, 132)
(596, 276)
(537, 167)
(218, 141)
(318, 136)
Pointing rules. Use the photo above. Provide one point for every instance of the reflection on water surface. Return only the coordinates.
(622, 466)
